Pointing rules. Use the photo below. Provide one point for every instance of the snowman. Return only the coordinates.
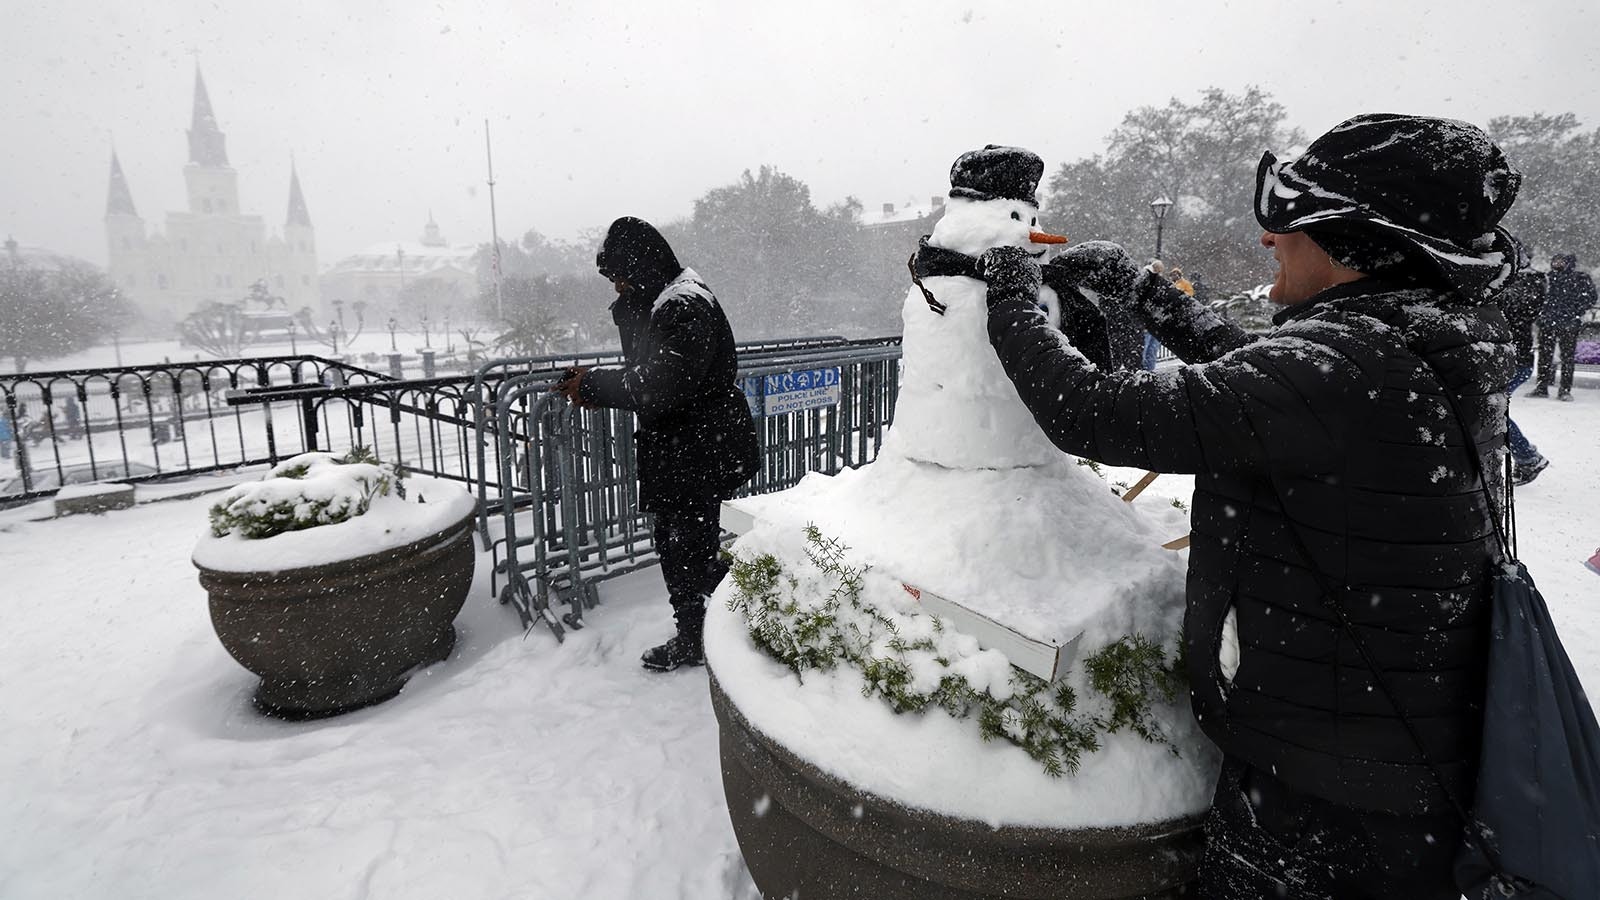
(956, 407)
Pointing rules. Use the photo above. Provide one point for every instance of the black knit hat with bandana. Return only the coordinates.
(1399, 194)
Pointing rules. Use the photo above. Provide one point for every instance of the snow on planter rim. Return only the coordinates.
(1048, 550)
(934, 762)
(388, 523)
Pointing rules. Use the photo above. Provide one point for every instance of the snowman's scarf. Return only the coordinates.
(1081, 321)
(935, 262)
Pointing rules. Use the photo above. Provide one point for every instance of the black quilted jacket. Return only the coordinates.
(696, 440)
(1335, 422)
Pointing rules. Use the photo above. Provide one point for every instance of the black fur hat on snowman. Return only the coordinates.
(997, 173)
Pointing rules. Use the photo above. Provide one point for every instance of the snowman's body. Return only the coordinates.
(956, 407)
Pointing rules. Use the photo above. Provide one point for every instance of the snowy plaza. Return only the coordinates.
(824, 451)
(519, 768)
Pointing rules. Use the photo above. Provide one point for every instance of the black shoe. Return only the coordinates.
(676, 652)
(1565, 395)
(1525, 474)
(1540, 391)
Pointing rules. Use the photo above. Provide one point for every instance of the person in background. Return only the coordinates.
(1570, 294)
(1152, 347)
(74, 416)
(1336, 498)
(1180, 282)
(1521, 302)
(696, 443)
(8, 435)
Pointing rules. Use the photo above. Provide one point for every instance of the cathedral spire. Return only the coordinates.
(298, 215)
(431, 237)
(207, 146)
(119, 200)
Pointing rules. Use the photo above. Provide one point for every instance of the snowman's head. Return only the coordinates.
(973, 226)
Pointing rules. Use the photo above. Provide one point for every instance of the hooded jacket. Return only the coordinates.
(696, 440)
(1571, 293)
(1522, 302)
(1336, 424)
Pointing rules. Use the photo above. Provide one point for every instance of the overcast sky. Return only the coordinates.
(602, 109)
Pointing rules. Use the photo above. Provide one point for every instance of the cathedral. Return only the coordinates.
(213, 251)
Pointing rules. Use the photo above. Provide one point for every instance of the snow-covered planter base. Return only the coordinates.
(327, 634)
(805, 833)
(868, 750)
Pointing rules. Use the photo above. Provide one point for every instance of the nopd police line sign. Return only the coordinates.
(774, 395)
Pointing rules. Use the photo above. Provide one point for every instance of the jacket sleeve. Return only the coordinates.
(1085, 327)
(1286, 403)
(1187, 327)
(681, 349)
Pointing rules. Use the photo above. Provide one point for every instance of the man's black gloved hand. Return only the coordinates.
(571, 386)
(1099, 266)
(1010, 271)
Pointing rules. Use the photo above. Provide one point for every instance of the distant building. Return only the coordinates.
(15, 254)
(378, 274)
(899, 226)
(212, 251)
(907, 214)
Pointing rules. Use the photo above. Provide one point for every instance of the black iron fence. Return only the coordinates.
(140, 423)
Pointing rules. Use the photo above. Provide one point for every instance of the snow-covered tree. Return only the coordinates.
(1202, 155)
(54, 311)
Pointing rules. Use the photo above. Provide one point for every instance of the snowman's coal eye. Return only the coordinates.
(1035, 222)
(1017, 216)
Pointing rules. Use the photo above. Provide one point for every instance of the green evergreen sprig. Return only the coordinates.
(820, 631)
(238, 512)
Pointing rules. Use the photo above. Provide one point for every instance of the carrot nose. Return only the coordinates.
(1041, 237)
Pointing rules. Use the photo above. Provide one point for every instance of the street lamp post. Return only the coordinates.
(426, 342)
(392, 326)
(293, 349)
(1159, 207)
(449, 346)
(333, 332)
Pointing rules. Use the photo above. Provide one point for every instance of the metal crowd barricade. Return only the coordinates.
(491, 378)
(568, 478)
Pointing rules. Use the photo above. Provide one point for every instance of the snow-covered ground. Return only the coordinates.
(139, 353)
(132, 766)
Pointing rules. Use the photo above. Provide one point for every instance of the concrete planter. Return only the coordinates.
(332, 638)
(805, 833)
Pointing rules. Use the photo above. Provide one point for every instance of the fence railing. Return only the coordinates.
(139, 423)
(558, 486)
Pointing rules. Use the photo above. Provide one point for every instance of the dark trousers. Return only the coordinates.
(1566, 336)
(1265, 840)
(1522, 449)
(688, 538)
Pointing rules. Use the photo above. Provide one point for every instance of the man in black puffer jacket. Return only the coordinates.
(696, 443)
(1332, 484)
(1571, 293)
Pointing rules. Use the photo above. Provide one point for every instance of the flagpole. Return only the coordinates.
(494, 227)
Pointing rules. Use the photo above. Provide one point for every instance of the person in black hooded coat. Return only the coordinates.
(1571, 293)
(696, 443)
(1333, 484)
